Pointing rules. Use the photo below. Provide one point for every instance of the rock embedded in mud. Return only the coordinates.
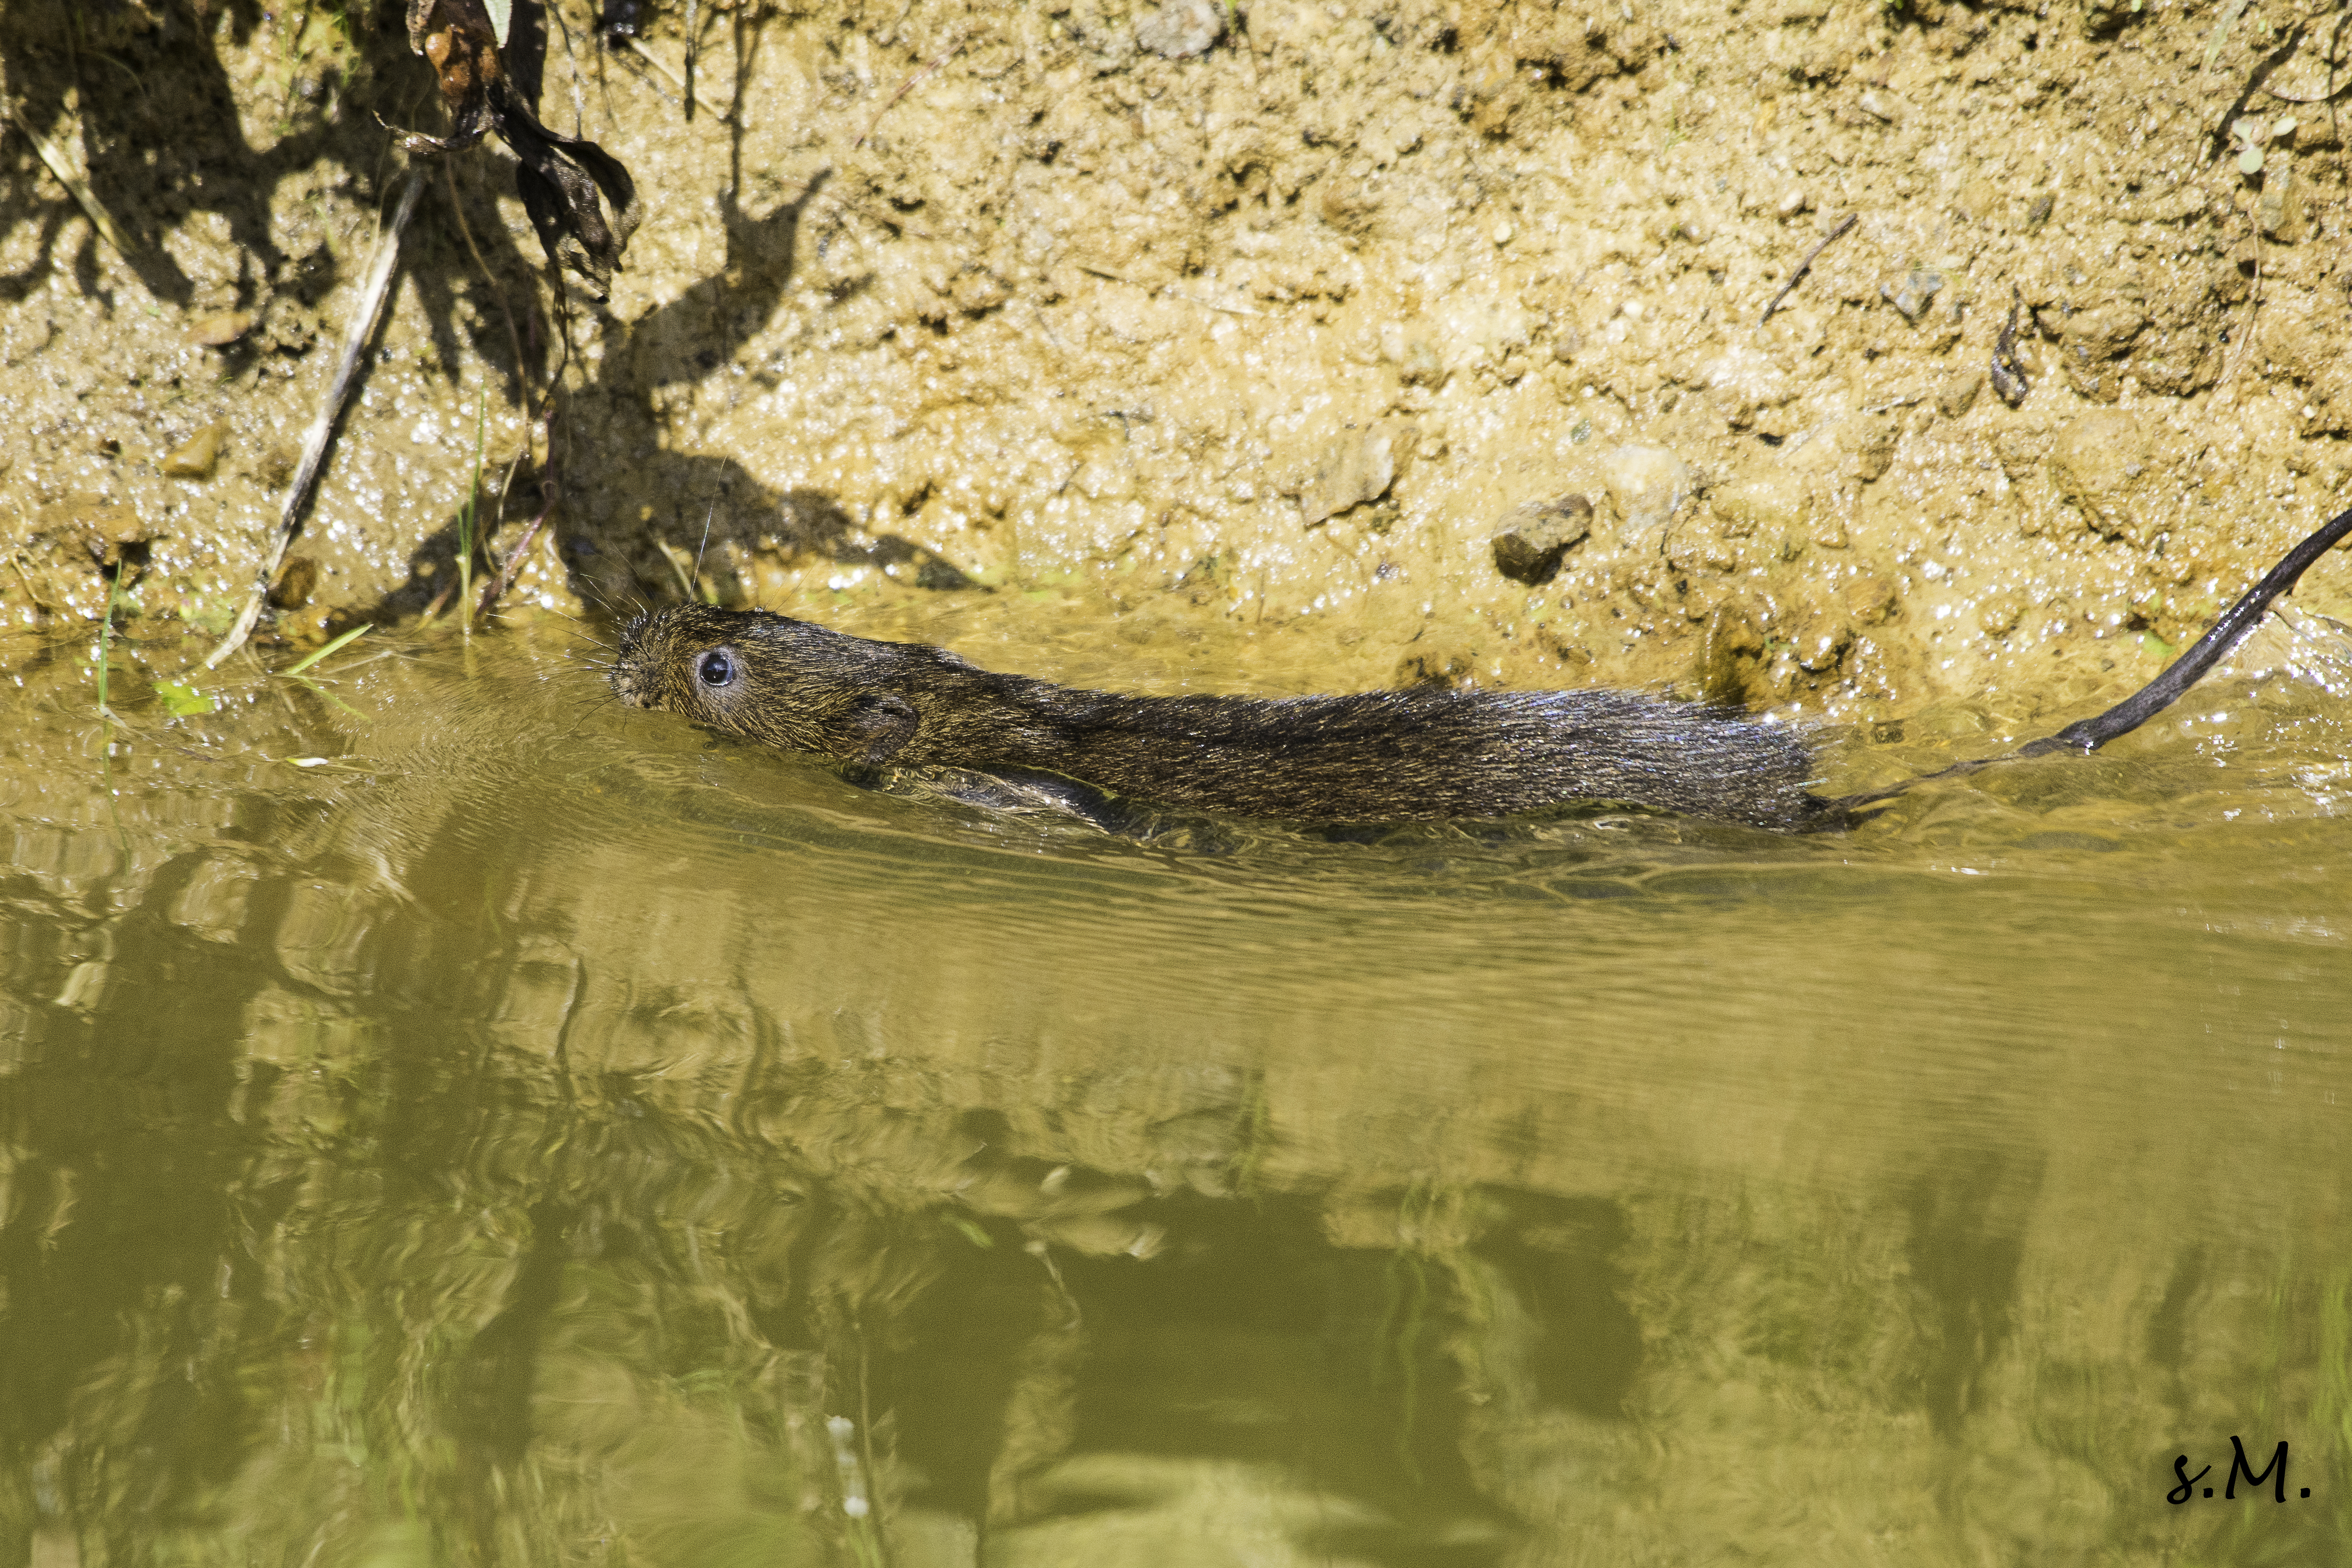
(219, 331)
(1959, 395)
(1871, 599)
(296, 581)
(1872, 440)
(195, 457)
(104, 528)
(1646, 485)
(1529, 546)
(2099, 463)
(2093, 341)
(276, 465)
(1913, 293)
(2278, 211)
(1355, 467)
(1180, 28)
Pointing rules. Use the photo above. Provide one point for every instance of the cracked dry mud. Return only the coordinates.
(1218, 366)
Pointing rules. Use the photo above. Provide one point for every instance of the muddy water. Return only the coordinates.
(451, 1119)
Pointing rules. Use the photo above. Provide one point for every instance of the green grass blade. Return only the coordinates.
(350, 637)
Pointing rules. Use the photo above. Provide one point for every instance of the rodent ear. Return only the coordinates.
(878, 724)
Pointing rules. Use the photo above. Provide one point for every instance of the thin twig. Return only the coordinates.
(1172, 292)
(908, 86)
(676, 80)
(1803, 267)
(514, 337)
(98, 217)
(579, 102)
(30, 592)
(505, 579)
(381, 267)
(2231, 363)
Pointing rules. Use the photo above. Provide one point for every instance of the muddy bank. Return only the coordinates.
(1005, 328)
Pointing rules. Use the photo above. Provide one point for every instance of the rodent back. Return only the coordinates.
(1372, 756)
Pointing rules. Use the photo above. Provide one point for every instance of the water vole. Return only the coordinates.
(1377, 756)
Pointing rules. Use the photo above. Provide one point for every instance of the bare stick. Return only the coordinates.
(497, 589)
(908, 86)
(381, 267)
(514, 336)
(676, 80)
(63, 169)
(1803, 267)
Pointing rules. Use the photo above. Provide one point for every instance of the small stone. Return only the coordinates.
(1421, 366)
(1357, 465)
(1794, 202)
(276, 465)
(1646, 485)
(2278, 211)
(1873, 442)
(296, 581)
(1957, 395)
(1880, 105)
(219, 331)
(2092, 463)
(1529, 546)
(1180, 28)
(101, 526)
(1502, 234)
(976, 291)
(1870, 599)
(2037, 212)
(1565, 345)
(1913, 294)
(195, 457)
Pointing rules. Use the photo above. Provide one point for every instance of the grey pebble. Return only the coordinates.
(1180, 28)
(1529, 545)
(1913, 294)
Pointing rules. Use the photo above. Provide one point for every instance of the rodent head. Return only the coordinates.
(773, 679)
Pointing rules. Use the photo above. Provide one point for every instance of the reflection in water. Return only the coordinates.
(545, 1135)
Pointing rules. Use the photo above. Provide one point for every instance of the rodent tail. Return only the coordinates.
(2089, 734)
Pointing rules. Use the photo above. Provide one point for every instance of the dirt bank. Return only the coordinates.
(994, 323)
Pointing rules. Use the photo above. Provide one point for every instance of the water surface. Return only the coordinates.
(445, 1117)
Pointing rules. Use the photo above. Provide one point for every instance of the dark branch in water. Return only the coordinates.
(2089, 734)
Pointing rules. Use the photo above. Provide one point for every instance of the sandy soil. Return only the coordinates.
(991, 323)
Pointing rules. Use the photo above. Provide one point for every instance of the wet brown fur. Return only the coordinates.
(1378, 756)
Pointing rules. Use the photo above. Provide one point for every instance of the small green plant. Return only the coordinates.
(350, 637)
(105, 713)
(969, 1231)
(469, 516)
(182, 701)
(105, 645)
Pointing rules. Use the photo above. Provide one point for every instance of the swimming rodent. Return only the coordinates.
(1377, 756)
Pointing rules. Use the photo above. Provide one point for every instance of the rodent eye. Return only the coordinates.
(716, 668)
